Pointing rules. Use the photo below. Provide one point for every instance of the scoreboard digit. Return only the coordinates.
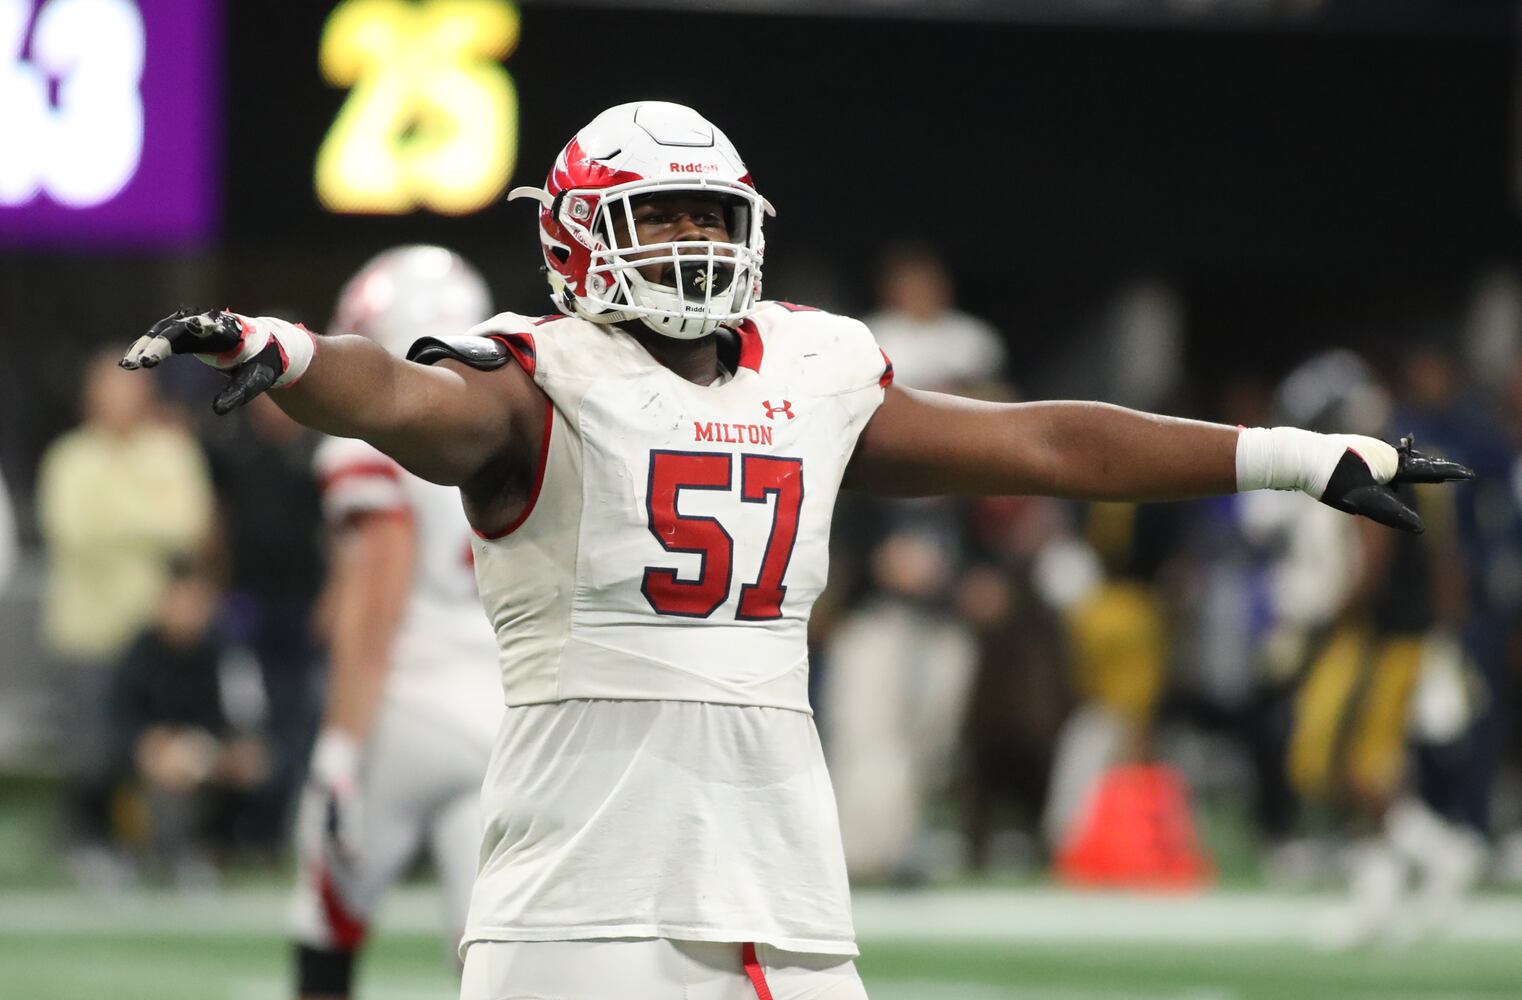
(71, 116)
(431, 120)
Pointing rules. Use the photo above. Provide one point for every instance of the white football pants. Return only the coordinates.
(420, 784)
(657, 969)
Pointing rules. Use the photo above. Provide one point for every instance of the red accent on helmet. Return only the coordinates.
(575, 170)
(581, 171)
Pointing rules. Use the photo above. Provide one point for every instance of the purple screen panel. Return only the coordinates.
(171, 195)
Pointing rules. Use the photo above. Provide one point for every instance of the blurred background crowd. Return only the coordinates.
(984, 671)
(1299, 213)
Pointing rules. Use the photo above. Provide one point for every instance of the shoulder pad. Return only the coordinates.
(484, 353)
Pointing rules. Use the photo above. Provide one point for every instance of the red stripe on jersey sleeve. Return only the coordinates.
(522, 347)
(887, 378)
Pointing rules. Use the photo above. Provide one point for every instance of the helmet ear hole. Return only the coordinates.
(561, 253)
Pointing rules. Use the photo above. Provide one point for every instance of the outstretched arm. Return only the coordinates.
(447, 423)
(442, 422)
(921, 443)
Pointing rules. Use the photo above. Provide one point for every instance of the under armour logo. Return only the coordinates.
(772, 411)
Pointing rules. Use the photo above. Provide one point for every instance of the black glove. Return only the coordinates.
(256, 353)
(1353, 489)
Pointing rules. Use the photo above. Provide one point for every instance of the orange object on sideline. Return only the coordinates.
(1136, 832)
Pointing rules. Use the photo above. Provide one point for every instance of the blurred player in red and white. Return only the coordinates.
(414, 696)
(651, 476)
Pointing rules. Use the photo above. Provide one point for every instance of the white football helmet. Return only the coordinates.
(409, 292)
(586, 223)
(1334, 392)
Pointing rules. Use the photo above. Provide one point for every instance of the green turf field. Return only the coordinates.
(997, 944)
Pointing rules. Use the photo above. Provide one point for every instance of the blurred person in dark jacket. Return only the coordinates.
(184, 722)
(1459, 745)
(1503, 587)
(1022, 692)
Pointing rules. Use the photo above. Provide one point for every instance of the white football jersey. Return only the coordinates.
(443, 652)
(658, 773)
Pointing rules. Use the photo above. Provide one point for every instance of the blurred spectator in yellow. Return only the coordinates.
(118, 498)
(899, 668)
(1119, 646)
(184, 723)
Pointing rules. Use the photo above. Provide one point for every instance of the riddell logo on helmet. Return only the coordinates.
(695, 168)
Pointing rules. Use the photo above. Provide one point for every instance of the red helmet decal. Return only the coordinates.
(575, 169)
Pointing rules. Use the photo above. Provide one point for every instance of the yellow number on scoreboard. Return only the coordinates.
(432, 119)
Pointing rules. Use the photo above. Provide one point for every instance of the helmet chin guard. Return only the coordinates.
(593, 260)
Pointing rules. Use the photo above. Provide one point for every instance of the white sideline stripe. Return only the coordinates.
(1034, 916)
(1059, 916)
(919, 989)
(420, 989)
(898, 989)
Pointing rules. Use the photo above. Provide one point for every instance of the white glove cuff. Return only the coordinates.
(335, 758)
(1289, 458)
(297, 347)
(296, 343)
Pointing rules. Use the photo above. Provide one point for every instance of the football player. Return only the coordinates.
(413, 693)
(650, 474)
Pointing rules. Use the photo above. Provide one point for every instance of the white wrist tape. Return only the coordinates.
(297, 346)
(335, 757)
(1288, 458)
